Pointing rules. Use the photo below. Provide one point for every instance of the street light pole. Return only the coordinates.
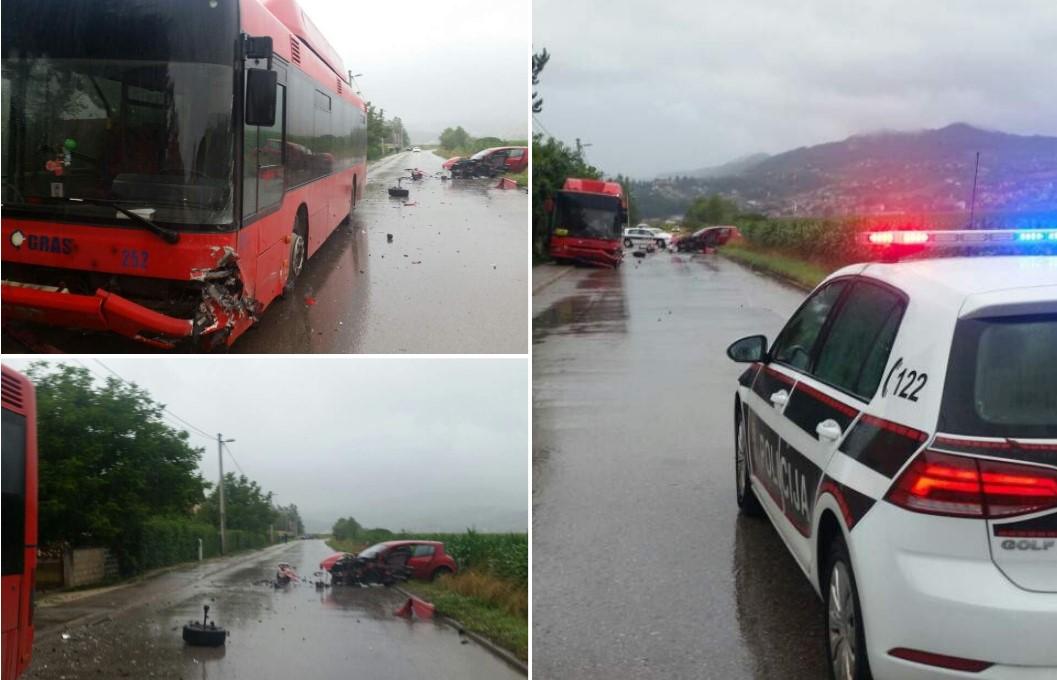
(220, 457)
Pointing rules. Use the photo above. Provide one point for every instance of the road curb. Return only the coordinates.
(502, 654)
(564, 272)
(98, 617)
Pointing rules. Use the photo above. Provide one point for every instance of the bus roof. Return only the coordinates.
(594, 186)
(294, 18)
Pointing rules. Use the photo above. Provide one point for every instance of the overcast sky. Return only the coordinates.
(418, 444)
(665, 86)
(436, 64)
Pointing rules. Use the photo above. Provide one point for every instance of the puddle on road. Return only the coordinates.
(601, 311)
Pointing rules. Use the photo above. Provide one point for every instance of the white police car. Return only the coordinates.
(640, 237)
(901, 435)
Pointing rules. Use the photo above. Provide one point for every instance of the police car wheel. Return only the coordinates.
(747, 501)
(845, 638)
(628, 243)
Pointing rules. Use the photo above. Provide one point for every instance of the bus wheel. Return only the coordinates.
(353, 206)
(298, 252)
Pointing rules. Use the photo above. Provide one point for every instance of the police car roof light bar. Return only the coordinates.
(914, 240)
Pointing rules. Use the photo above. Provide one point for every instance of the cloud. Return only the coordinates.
(421, 444)
(668, 86)
(436, 64)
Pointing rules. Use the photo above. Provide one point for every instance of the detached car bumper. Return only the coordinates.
(100, 312)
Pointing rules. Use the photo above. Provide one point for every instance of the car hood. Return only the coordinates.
(450, 162)
(329, 562)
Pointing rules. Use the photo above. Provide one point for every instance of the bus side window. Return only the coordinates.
(263, 174)
(270, 173)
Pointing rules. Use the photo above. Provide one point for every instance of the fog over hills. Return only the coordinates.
(878, 173)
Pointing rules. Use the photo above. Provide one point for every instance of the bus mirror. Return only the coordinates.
(259, 47)
(261, 89)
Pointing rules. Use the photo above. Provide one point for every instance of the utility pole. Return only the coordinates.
(220, 457)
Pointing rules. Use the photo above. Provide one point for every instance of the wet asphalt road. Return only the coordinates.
(642, 567)
(291, 632)
(453, 280)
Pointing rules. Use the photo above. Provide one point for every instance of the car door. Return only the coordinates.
(421, 558)
(777, 468)
(834, 389)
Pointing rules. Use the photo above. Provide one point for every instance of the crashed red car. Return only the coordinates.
(489, 162)
(427, 559)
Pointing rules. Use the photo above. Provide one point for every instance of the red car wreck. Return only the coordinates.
(390, 560)
(152, 187)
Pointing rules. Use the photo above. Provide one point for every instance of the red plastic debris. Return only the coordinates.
(415, 608)
(309, 300)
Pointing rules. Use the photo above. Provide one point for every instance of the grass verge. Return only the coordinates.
(800, 272)
(484, 603)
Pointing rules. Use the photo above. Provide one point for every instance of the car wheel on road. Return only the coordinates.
(845, 638)
(298, 252)
(628, 243)
(438, 572)
(747, 501)
(660, 243)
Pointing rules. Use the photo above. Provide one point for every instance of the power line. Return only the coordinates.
(542, 126)
(232, 454)
(185, 422)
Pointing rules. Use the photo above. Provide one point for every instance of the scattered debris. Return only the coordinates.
(204, 634)
(388, 238)
(309, 300)
(415, 608)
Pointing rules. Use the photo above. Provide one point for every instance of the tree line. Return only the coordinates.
(114, 473)
(384, 136)
(458, 142)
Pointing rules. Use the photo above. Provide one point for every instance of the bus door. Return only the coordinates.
(263, 184)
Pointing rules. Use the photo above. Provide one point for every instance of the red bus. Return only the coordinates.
(589, 216)
(168, 166)
(19, 482)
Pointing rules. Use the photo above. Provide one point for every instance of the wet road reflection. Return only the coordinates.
(295, 631)
(633, 459)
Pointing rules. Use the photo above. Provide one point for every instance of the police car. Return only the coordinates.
(901, 435)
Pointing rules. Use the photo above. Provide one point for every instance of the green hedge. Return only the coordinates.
(165, 541)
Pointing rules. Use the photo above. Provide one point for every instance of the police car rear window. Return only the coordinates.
(1002, 378)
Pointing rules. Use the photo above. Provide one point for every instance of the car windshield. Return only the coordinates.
(1002, 378)
(588, 215)
(372, 551)
(481, 154)
(127, 103)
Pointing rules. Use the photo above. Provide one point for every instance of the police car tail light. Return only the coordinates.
(942, 484)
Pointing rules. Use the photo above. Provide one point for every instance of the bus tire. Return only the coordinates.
(353, 205)
(298, 251)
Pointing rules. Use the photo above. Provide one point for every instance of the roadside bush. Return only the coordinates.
(164, 541)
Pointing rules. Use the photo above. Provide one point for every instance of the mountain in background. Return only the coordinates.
(928, 171)
(730, 168)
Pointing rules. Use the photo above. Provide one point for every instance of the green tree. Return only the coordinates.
(246, 506)
(289, 519)
(710, 210)
(552, 163)
(346, 528)
(107, 461)
(455, 138)
(539, 60)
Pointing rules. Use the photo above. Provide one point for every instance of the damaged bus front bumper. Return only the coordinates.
(220, 316)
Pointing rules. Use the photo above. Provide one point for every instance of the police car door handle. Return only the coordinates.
(828, 429)
(780, 398)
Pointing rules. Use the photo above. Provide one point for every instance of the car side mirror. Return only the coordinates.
(748, 350)
(261, 89)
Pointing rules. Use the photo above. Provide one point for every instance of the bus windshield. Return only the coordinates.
(128, 102)
(588, 216)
